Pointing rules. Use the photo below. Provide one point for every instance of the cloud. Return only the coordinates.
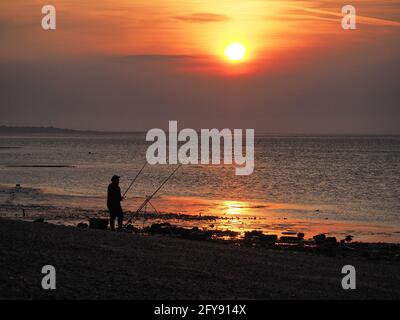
(360, 19)
(202, 18)
(300, 17)
(157, 57)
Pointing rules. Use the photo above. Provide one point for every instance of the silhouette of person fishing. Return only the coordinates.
(114, 199)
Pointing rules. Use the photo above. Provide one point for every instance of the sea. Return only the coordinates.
(338, 185)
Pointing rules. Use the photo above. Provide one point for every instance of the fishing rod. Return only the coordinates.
(147, 200)
(134, 179)
(158, 189)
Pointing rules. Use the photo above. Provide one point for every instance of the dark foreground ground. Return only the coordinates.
(94, 264)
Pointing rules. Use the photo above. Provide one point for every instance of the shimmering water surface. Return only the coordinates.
(331, 184)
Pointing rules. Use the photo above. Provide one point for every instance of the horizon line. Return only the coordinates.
(58, 130)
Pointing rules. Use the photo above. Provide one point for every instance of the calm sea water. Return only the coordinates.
(346, 178)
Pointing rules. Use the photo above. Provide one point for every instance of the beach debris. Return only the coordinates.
(300, 235)
(331, 241)
(320, 238)
(349, 238)
(258, 237)
(197, 234)
(325, 242)
(167, 229)
(290, 239)
(18, 185)
(82, 225)
(159, 228)
(253, 234)
(130, 228)
(97, 223)
(39, 220)
(225, 233)
(269, 238)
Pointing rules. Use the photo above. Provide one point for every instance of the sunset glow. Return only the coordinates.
(270, 34)
(235, 52)
(259, 62)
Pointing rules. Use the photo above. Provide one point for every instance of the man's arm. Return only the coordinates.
(120, 196)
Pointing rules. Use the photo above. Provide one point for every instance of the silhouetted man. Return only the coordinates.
(114, 199)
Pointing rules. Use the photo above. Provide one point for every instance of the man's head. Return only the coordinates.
(115, 179)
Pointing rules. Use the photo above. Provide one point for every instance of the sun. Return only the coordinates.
(235, 52)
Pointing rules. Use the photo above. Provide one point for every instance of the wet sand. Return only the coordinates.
(238, 216)
(94, 264)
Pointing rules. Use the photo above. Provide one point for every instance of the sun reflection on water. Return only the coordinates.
(236, 208)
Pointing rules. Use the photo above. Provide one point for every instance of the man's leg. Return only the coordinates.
(112, 221)
(120, 220)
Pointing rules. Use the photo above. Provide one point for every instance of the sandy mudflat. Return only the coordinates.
(94, 264)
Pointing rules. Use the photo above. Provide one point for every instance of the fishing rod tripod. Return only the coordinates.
(147, 202)
(144, 209)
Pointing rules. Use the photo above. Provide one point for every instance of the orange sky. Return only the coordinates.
(196, 28)
(160, 54)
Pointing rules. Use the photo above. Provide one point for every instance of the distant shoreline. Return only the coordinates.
(15, 130)
(4, 130)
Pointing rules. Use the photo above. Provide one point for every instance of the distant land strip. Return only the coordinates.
(40, 166)
(10, 147)
(14, 130)
(52, 130)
